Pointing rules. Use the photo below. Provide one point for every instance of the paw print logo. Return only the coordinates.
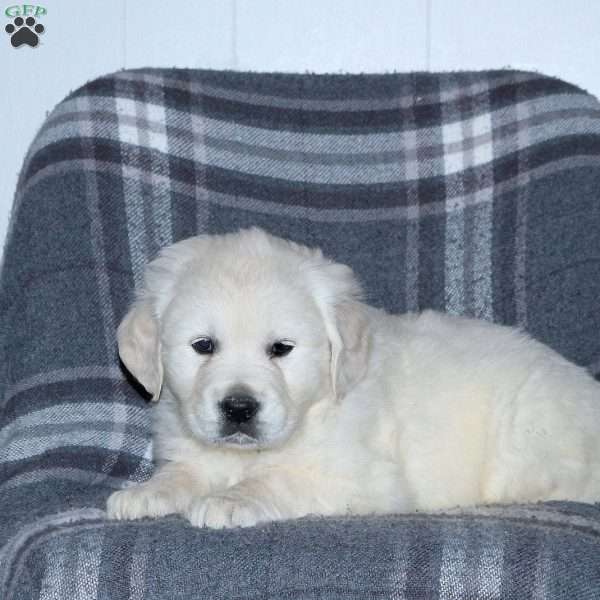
(24, 32)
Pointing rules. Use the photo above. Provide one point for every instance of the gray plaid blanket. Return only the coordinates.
(474, 193)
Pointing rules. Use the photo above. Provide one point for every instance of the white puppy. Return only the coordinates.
(283, 395)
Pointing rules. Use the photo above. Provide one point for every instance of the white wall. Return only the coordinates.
(87, 38)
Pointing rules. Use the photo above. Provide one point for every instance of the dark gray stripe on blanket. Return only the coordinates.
(322, 214)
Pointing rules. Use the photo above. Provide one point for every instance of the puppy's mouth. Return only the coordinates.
(237, 440)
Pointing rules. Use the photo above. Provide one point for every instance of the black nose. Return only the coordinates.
(239, 409)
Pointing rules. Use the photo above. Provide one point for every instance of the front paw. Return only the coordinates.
(231, 510)
(143, 500)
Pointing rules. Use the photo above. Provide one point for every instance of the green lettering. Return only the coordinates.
(13, 11)
(39, 11)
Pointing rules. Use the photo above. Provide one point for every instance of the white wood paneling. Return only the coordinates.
(556, 37)
(331, 36)
(196, 34)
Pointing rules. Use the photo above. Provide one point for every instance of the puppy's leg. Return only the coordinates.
(276, 495)
(254, 500)
(169, 490)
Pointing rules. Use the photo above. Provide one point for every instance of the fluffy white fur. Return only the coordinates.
(370, 412)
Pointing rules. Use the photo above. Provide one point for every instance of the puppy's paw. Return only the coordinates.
(144, 500)
(231, 510)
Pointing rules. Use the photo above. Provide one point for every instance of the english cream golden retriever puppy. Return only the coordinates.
(282, 395)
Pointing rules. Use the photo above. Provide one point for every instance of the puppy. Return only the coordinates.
(283, 395)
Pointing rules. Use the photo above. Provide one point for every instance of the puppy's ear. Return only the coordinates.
(349, 359)
(337, 295)
(139, 347)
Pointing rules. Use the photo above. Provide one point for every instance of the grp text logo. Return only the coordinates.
(24, 28)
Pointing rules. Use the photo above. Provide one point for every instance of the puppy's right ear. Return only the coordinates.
(139, 347)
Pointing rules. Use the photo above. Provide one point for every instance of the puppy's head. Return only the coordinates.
(245, 331)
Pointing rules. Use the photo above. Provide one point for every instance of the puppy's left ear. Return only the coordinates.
(346, 323)
(350, 352)
(139, 347)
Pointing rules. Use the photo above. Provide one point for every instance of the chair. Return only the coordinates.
(476, 193)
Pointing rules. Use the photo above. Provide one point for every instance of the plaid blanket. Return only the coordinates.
(473, 193)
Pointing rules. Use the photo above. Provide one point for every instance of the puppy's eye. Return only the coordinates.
(203, 345)
(279, 349)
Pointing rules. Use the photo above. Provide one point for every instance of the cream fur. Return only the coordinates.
(370, 413)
